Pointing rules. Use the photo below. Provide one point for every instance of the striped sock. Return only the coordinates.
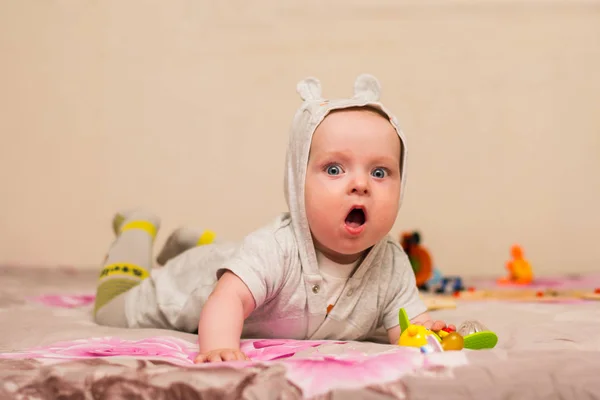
(129, 259)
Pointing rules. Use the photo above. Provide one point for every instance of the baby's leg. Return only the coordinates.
(181, 240)
(127, 263)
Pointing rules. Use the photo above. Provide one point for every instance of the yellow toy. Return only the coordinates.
(412, 335)
(519, 269)
(453, 341)
(471, 335)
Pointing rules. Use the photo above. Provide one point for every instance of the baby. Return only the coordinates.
(327, 269)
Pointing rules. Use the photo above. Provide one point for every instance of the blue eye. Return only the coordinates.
(333, 170)
(379, 173)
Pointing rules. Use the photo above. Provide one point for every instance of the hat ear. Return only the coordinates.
(309, 89)
(367, 87)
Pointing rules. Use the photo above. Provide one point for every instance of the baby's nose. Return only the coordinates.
(360, 186)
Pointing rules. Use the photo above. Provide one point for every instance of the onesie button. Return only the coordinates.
(349, 292)
(316, 289)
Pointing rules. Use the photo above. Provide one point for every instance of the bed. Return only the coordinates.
(50, 348)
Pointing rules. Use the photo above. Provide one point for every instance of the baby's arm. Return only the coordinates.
(222, 319)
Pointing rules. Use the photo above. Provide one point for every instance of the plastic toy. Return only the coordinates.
(433, 345)
(519, 269)
(453, 341)
(457, 284)
(435, 278)
(419, 257)
(419, 336)
(477, 336)
(471, 335)
(426, 275)
(412, 335)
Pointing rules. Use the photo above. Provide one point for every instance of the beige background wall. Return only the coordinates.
(183, 107)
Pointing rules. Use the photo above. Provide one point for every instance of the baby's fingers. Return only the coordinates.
(427, 324)
(215, 357)
(200, 358)
(220, 356)
(208, 358)
(438, 325)
(233, 355)
(229, 355)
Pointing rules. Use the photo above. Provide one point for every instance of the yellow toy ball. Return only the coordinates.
(453, 341)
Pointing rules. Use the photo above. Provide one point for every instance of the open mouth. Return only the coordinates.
(356, 217)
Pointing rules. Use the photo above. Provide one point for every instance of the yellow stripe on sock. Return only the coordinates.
(132, 270)
(207, 237)
(142, 225)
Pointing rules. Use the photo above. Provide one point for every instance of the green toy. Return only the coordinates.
(477, 336)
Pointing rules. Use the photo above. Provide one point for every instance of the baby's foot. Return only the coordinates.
(128, 260)
(126, 216)
(183, 239)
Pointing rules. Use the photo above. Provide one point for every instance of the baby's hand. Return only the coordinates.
(436, 325)
(219, 355)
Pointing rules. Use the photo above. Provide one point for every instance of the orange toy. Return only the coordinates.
(519, 269)
(419, 257)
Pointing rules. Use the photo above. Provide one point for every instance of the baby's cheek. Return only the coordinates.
(388, 213)
(317, 216)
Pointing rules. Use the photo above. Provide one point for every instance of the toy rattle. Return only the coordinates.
(471, 335)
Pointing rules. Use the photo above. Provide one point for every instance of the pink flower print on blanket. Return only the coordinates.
(65, 300)
(165, 348)
(277, 349)
(317, 377)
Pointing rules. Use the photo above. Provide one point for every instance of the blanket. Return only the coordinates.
(51, 348)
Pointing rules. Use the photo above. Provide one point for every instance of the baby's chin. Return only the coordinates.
(342, 255)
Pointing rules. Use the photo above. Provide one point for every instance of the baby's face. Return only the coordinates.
(352, 184)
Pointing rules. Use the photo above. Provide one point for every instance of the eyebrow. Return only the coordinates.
(337, 153)
(386, 160)
(344, 155)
